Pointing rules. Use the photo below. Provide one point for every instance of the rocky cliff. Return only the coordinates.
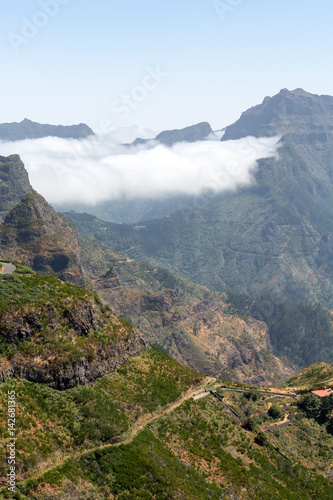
(59, 334)
(34, 234)
(14, 183)
(187, 321)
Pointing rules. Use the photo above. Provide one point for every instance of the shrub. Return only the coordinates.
(275, 412)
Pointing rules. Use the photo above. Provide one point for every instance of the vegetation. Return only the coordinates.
(58, 333)
(314, 375)
(302, 332)
(18, 291)
(107, 447)
(53, 424)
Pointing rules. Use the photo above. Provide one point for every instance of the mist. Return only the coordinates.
(97, 169)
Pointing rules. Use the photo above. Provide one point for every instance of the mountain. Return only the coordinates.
(186, 321)
(147, 428)
(274, 236)
(27, 129)
(304, 117)
(173, 314)
(34, 234)
(14, 183)
(198, 132)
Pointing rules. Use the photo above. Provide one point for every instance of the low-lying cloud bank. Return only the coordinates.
(70, 172)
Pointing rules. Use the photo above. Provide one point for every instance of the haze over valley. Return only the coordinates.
(166, 250)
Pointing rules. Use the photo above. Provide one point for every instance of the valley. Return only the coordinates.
(180, 356)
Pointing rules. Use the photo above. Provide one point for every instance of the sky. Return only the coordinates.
(158, 65)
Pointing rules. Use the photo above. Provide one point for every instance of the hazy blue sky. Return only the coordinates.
(158, 64)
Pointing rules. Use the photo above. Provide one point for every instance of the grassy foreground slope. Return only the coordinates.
(129, 421)
(138, 434)
(53, 425)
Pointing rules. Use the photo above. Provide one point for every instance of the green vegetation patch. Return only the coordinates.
(53, 423)
(24, 290)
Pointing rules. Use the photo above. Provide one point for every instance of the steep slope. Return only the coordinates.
(187, 321)
(274, 236)
(34, 234)
(56, 333)
(14, 183)
(27, 129)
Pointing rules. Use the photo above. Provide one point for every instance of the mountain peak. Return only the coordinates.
(193, 133)
(290, 111)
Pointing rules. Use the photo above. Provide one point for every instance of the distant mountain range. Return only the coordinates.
(27, 129)
(276, 235)
(110, 416)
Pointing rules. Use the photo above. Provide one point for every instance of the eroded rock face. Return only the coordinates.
(14, 183)
(201, 334)
(69, 341)
(108, 280)
(80, 372)
(34, 234)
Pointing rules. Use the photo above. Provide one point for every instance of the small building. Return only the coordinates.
(322, 393)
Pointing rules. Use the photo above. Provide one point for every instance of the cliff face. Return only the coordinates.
(34, 234)
(14, 183)
(202, 335)
(58, 334)
(190, 323)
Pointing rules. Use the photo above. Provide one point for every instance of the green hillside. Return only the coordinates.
(140, 432)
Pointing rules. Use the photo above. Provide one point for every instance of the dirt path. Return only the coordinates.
(136, 428)
(274, 425)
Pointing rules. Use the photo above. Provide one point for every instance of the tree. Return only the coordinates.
(310, 404)
(275, 412)
(252, 395)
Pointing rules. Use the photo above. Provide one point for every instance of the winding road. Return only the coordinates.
(8, 268)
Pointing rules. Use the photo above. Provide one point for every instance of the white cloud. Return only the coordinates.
(69, 172)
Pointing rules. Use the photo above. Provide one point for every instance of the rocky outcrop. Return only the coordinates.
(108, 280)
(69, 340)
(99, 362)
(160, 301)
(14, 183)
(34, 234)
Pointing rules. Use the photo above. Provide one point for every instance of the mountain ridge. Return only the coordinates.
(27, 129)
